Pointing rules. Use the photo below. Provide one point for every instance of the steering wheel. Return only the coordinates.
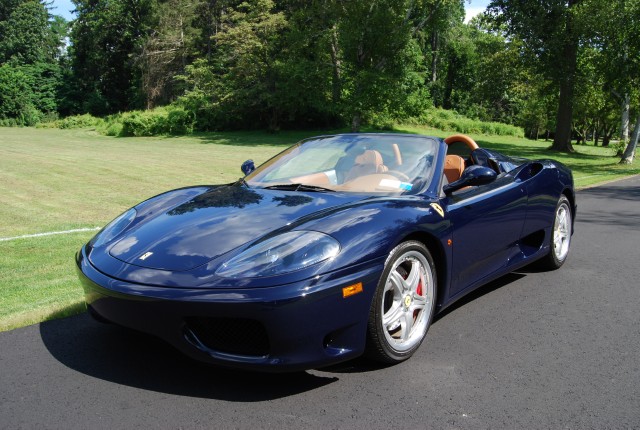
(471, 144)
(398, 174)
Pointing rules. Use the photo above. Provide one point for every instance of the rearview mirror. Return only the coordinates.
(248, 167)
(472, 176)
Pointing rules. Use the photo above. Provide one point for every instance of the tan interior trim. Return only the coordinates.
(397, 154)
(471, 144)
(453, 167)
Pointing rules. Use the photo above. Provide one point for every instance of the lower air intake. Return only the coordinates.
(238, 336)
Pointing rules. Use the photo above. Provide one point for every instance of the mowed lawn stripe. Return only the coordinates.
(49, 233)
(67, 179)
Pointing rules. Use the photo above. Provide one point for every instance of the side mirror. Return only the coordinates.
(471, 176)
(247, 167)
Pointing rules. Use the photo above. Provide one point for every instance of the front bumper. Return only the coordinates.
(291, 327)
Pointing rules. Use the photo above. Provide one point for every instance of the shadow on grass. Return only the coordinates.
(281, 138)
(126, 357)
(38, 315)
(260, 138)
(514, 149)
(68, 311)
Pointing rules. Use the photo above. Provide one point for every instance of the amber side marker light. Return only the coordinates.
(351, 290)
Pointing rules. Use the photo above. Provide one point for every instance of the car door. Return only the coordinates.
(486, 224)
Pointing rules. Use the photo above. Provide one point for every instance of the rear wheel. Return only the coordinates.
(560, 236)
(403, 305)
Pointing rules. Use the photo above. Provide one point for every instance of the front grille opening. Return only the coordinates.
(238, 336)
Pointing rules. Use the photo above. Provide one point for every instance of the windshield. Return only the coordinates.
(352, 163)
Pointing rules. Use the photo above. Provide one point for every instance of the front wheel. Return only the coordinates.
(403, 305)
(560, 236)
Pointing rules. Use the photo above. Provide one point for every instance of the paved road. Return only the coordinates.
(534, 350)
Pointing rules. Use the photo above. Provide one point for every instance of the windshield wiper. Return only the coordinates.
(298, 187)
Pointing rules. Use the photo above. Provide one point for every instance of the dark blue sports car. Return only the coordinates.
(339, 246)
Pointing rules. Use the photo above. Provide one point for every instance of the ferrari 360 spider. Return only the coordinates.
(339, 246)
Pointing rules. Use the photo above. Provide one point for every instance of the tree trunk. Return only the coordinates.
(624, 122)
(434, 56)
(356, 122)
(630, 152)
(335, 60)
(562, 138)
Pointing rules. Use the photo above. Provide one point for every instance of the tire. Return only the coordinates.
(403, 305)
(560, 240)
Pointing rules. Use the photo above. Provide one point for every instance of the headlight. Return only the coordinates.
(113, 229)
(285, 253)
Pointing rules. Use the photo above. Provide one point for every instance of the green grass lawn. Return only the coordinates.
(55, 180)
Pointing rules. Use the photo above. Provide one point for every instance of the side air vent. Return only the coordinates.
(532, 242)
(529, 171)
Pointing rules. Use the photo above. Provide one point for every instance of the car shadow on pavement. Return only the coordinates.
(135, 359)
(481, 291)
(363, 365)
(611, 192)
(126, 357)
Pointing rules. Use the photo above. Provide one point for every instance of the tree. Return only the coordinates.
(167, 50)
(379, 55)
(614, 30)
(551, 34)
(250, 48)
(105, 38)
(592, 99)
(25, 33)
(30, 47)
(240, 85)
(441, 30)
(630, 151)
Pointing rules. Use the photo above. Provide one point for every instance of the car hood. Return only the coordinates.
(217, 221)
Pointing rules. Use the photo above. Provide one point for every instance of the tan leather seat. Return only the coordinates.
(453, 167)
(367, 163)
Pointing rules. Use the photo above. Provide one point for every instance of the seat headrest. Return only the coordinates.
(370, 156)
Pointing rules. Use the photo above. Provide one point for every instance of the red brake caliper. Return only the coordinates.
(419, 292)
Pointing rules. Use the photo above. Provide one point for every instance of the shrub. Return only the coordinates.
(78, 121)
(140, 123)
(180, 121)
(113, 129)
(8, 122)
(171, 120)
(451, 121)
(30, 116)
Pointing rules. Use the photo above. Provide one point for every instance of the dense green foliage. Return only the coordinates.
(29, 68)
(563, 69)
